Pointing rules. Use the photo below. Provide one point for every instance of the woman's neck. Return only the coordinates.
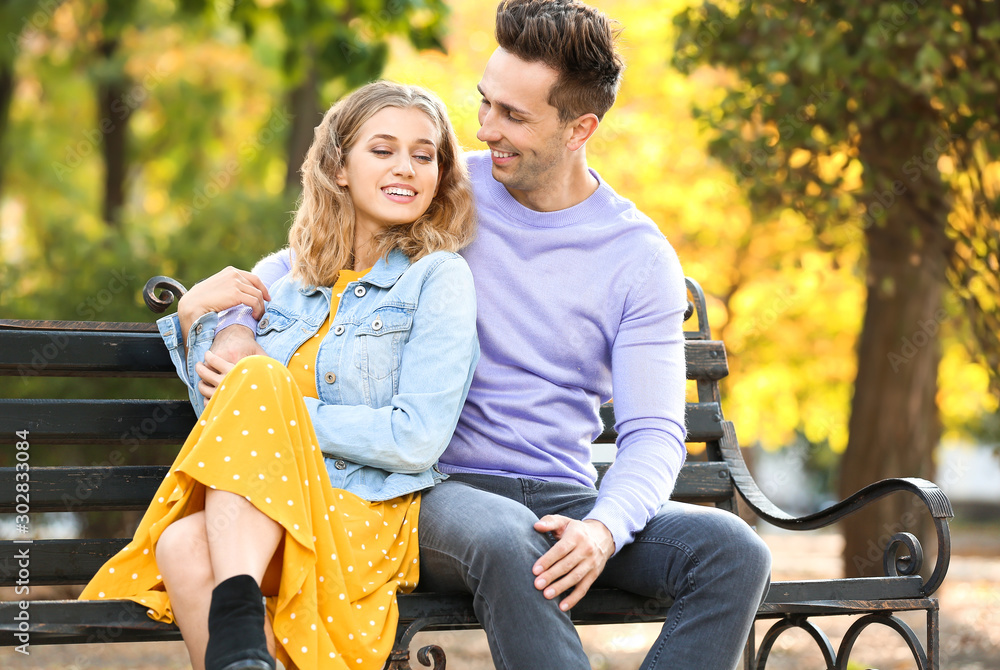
(364, 249)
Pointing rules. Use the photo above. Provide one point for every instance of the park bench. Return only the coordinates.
(716, 475)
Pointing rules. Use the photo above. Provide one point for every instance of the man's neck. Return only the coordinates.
(560, 191)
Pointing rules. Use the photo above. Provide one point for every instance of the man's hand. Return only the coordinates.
(229, 346)
(575, 561)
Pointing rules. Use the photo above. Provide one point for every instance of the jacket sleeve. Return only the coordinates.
(199, 340)
(409, 434)
(203, 330)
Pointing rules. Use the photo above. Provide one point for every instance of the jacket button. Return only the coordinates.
(198, 329)
(377, 324)
(264, 322)
(340, 464)
(339, 330)
(360, 291)
(330, 377)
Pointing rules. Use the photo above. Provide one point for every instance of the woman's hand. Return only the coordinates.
(227, 288)
(211, 372)
(229, 346)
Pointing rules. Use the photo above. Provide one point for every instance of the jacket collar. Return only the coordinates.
(384, 274)
(387, 271)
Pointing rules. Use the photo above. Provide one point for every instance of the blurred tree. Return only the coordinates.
(15, 19)
(873, 121)
(330, 45)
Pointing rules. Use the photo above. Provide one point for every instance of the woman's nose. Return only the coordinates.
(404, 166)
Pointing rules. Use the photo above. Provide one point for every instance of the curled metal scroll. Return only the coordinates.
(432, 654)
(818, 636)
(851, 636)
(399, 657)
(907, 564)
(160, 292)
(697, 306)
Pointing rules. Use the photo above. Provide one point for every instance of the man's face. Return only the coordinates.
(526, 138)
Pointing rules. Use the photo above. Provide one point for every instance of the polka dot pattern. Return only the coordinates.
(337, 610)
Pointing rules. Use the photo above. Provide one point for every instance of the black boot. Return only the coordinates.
(236, 639)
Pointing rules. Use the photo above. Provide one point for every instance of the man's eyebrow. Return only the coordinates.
(509, 108)
(393, 138)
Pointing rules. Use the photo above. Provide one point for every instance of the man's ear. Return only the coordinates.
(580, 130)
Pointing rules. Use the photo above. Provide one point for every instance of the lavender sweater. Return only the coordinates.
(572, 304)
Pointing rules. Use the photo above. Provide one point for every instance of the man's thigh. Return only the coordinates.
(466, 532)
(662, 558)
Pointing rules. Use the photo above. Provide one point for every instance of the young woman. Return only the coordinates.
(301, 480)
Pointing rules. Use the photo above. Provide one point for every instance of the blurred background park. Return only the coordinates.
(828, 171)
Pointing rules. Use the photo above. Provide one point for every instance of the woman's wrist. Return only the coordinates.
(187, 314)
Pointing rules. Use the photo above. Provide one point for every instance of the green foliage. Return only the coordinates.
(814, 86)
(344, 41)
(208, 125)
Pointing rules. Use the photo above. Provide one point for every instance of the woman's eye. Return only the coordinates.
(424, 159)
(381, 152)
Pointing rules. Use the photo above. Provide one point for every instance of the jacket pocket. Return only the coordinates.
(381, 336)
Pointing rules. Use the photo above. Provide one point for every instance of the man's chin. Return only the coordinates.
(505, 176)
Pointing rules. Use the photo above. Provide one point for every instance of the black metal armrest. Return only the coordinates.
(934, 499)
(160, 292)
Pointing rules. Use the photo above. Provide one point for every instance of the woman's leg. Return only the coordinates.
(241, 538)
(183, 559)
(194, 551)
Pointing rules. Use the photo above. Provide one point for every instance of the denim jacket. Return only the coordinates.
(392, 373)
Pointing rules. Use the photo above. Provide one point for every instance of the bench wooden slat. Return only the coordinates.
(130, 422)
(703, 419)
(103, 353)
(85, 488)
(72, 621)
(65, 353)
(126, 423)
(57, 561)
(97, 488)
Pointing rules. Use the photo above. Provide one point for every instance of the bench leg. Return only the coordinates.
(933, 636)
(750, 650)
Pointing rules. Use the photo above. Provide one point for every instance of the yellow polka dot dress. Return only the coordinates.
(344, 558)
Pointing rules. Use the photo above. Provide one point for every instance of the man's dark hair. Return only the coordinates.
(575, 40)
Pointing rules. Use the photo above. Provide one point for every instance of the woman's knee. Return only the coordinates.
(183, 545)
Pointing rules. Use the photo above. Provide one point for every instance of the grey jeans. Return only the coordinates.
(476, 536)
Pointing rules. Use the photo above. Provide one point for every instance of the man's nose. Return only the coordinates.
(487, 129)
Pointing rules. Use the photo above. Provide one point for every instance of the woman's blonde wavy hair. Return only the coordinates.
(322, 235)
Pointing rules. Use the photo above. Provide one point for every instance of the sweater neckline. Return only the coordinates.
(582, 212)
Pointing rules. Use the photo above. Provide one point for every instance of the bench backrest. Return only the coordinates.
(93, 349)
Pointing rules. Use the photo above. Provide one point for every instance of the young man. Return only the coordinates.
(579, 295)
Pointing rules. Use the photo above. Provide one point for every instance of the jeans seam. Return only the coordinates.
(666, 633)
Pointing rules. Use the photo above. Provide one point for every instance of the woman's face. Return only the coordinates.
(392, 171)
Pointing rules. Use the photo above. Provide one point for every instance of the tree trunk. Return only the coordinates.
(6, 97)
(114, 109)
(894, 425)
(306, 114)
